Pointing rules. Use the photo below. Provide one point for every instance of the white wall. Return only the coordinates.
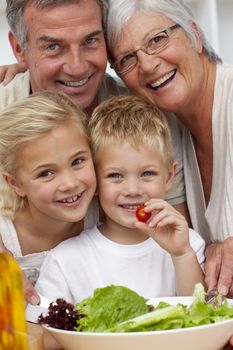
(218, 29)
(6, 55)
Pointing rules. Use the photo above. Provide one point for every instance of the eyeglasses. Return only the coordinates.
(154, 45)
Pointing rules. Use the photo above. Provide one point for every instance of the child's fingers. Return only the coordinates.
(158, 205)
(176, 217)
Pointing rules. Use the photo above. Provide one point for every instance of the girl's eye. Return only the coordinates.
(45, 173)
(77, 161)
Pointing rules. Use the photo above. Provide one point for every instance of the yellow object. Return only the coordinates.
(12, 308)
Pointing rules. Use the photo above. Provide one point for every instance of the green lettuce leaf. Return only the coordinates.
(109, 306)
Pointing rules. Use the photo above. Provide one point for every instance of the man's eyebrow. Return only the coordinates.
(96, 32)
(48, 39)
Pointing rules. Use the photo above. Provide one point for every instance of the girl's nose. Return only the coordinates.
(67, 181)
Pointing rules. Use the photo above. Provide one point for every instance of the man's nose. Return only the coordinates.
(75, 62)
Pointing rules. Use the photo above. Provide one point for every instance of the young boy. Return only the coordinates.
(133, 157)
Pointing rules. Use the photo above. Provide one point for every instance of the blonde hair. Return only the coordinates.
(25, 121)
(130, 118)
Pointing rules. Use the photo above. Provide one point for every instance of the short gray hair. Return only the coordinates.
(121, 11)
(15, 11)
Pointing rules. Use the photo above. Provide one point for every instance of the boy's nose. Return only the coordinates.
(133, 188)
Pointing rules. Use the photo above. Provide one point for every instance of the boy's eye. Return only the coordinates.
(148, 173)
(115, 176)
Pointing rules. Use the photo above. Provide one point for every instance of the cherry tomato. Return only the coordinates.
(141, 214)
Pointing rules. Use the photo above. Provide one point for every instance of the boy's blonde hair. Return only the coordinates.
(132, 119)
(25, 121)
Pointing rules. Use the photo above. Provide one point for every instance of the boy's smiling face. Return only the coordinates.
(128, 177)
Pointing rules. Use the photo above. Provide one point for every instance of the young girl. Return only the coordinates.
(47, 177)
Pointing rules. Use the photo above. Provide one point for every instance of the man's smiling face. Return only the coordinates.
(66, 50)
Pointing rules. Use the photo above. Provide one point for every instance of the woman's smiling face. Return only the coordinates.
(170, 78)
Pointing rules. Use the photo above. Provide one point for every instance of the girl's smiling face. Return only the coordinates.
(172, 77)
(56, 174)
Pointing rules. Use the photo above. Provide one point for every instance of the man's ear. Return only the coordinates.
(170, 175)
(199, 43)
(19, 52)
(13, 183)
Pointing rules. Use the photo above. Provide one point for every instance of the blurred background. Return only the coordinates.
(214, 17)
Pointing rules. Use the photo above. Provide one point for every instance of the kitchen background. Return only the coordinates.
(214, 17)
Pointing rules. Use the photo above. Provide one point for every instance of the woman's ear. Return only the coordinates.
(199, 43)
(12, 183)
(170, 175)
(19, 52)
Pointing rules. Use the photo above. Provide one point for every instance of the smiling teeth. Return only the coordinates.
(75, 83)
(70, 200)
(162, 80)
(131, 207)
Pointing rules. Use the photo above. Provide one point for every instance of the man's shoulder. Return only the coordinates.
(111, 86)
(17, 89)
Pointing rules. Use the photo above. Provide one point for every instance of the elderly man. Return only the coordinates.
(62, 45)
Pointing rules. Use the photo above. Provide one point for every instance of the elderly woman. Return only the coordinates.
(161, 54)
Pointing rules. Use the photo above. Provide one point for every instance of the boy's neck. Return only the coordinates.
(122, 235)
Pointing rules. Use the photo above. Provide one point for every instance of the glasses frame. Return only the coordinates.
(144, 49)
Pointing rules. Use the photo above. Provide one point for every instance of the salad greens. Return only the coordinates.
(119, 309)
(109, 306)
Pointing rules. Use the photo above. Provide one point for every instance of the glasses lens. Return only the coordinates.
(126, 63)
(157, 43)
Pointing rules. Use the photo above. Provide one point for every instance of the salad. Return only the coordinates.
(120, 309)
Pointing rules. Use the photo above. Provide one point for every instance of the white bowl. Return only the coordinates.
(207, 337)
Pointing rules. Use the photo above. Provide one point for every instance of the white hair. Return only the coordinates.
(121, 11)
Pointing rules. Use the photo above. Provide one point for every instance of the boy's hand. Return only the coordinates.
(167, 227)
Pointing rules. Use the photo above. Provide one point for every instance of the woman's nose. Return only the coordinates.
(147, 63)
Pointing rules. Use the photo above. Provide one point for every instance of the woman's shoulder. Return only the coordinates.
(225, 73)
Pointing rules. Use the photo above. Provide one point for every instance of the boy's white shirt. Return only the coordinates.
(78, 265)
